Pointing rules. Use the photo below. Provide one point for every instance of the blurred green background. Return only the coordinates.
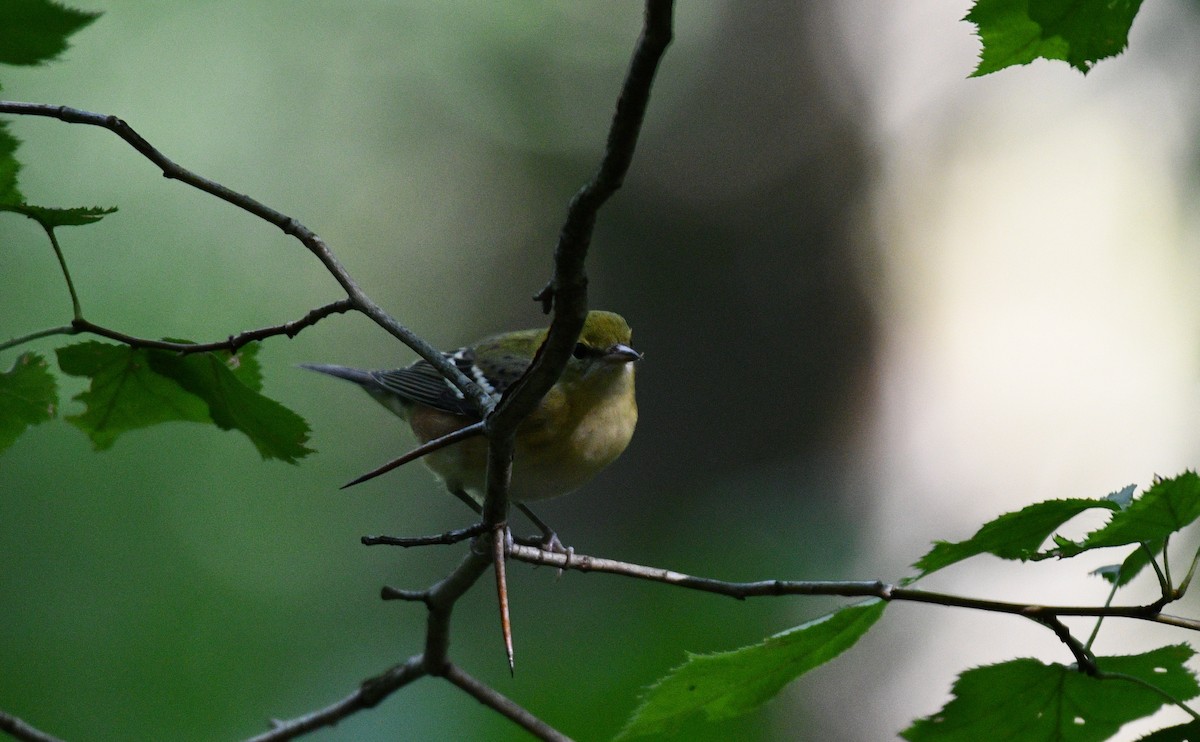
(855, 343)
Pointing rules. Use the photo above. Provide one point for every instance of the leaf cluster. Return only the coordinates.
(1019, 699)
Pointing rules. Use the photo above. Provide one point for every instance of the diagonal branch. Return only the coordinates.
(368, 695)
(567, 291)
(285, 223)
(21, 730)
(424, 449)
(497, 701)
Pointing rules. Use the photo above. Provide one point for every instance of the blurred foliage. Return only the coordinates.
(28, 396)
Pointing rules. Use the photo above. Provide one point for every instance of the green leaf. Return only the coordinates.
(1016, 535)
(276, 431)
(1124, 496)
(245, 366)
(9, 167)
(1122, 574)
(1079, 32)
(55, 217)
(1189, 732)
(125, 392)
(36, 31)
(1168, 506)
(28, 396)
(1030, 701)
(728, 684)
(135, 388)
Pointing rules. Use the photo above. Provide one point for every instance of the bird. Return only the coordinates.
(582, 424)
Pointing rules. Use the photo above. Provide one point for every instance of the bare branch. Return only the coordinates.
(424, 449)
(23, 731)
(493, 699)
(449, 537)
(48, 332)
(1083, 656)
(285, 223)
(845, 589)
(441, 600)
(80, 325)
(567, 290)
(410, 596)
(232, 343)
(369, 694)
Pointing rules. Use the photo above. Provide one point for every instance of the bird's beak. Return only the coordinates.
(621, 353)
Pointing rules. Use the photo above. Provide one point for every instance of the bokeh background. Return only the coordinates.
(880, 303)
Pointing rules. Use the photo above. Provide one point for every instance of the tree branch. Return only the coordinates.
(846, 589)
(369, 694)
(23, 731)
(289, 226)
(496, 701)
(424, 449)
(449, 537)
(567, 291)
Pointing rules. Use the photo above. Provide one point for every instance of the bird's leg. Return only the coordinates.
(550, 540)
(469, 501)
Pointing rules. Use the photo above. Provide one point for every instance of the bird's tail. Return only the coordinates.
(357, 375)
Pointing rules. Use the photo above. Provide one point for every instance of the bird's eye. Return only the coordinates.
(581, 351)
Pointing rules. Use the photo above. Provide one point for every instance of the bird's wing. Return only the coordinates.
(421, 383)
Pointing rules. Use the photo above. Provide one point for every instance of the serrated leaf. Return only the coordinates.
(276, 431)
(36, 31)
(135, 388)
(1079, 32)
(1027, 700)
(1122, 574)
(9, 167)
(728, 684)
(244, 365)
(1123, 497)
(125, 393)
(1189, 732)
(1017, 535)
(51, 217)
(28, 396)
(1168, 506)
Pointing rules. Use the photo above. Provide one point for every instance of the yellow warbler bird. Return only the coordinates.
(581, 426)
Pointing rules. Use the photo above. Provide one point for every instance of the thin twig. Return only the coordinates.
(76, 312)
(288, 225)
(14, 342)
(566, 293)
(22, 730)
(1152, 687)
(410, 596)
(847, 589)
(424, 449)
(496, 701)
(1100, 620)
(1187, 578)
(1083, 656)
(440, 601)
(369, 694)
(231, 343)
(449, 537)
